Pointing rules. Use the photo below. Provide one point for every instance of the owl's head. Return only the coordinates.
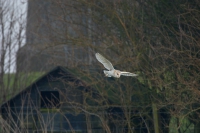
(117, 73)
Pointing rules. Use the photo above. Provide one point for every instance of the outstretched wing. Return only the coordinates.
(107, 64)
(128, 74)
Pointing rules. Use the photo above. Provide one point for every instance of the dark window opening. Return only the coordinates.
(50, 99)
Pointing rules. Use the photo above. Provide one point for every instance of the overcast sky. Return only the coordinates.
(19, 7)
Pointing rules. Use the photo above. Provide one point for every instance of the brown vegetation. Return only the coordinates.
(157, 39)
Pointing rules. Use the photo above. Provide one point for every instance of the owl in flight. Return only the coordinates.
(111, 71)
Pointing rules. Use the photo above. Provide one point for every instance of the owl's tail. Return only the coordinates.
(106, 73)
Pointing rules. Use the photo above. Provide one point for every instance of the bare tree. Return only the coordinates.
(157, 39)
(12, 27)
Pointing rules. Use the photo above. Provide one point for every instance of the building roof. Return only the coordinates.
(110, 87)
(73, 73)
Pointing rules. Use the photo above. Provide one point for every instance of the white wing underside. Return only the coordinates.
(106, 63)
(128, 74)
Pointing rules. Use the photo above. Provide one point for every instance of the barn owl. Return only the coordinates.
(111, 71)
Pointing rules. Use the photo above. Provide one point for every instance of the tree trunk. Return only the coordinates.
(155, 118)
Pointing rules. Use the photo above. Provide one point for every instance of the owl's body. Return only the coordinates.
(107, 73)
(111, 72)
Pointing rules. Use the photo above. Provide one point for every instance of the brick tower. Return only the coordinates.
(54, 33)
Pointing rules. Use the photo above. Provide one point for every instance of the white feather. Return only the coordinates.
(128, 74)
(107, 64)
